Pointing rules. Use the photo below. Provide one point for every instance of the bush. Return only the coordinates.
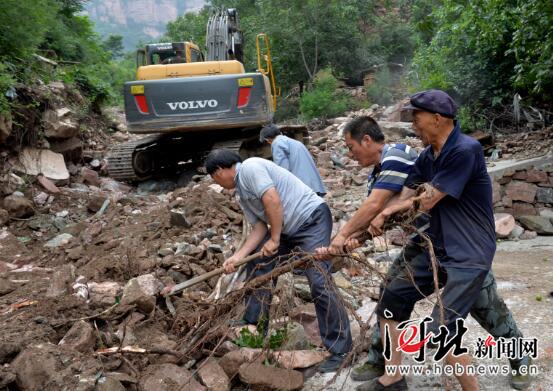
(379, 91)
(6, 81)
(323, 100)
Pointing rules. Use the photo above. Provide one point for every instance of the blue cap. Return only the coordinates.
(433, 101)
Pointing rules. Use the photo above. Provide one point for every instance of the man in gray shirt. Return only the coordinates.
(293, 156)
(285, 215)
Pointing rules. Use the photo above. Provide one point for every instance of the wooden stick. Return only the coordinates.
(206, 276)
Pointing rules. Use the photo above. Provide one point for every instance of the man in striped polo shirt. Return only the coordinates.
(392, 164)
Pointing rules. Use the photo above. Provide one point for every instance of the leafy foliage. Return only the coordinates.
(114, 45)
(323, 100)
(247, 339)
(54, 29)
(483, 51)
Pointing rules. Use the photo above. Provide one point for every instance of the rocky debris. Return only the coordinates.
(48, 184)
(396, 130)
(168, 377)
(171, 233)
(49, 367)
(259, 376)
(6, 286)
(4, 217)
(71, 148)
(108, 383)
(232, 361)
(213, 376)
(8, 351)
(60, 283)
(504, 224)
(6, 125)
(299, 359)
(539, 224)
(96, 202)
(59, 241)
(34, 161)
(307, 317)
(90, 177)
(178, 218)
(142, 291)
(18, 206)
(296, 338)
(80, 337)
(528, 235)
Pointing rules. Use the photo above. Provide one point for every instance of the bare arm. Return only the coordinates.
(254, 238)
(361, 219)
(273, 211)
(407, 200)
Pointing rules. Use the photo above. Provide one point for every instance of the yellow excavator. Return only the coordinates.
(192, 104)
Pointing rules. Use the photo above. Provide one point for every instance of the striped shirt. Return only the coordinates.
(396, 163)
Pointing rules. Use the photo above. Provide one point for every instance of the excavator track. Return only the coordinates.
(121, 159)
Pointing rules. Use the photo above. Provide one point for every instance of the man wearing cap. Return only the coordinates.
(457, 197)
(285, 215)
(293, 156)
(392, 164)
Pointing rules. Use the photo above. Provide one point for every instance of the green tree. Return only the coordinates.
(114, 45)
(484, 51)
(189, 27)
(24, 25)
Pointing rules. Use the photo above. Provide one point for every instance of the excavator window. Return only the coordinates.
(195, 55)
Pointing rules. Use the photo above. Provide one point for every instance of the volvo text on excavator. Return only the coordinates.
(190, 104)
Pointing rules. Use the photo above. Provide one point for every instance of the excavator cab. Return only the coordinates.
(168, 53)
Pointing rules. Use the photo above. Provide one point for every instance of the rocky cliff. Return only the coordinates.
(137, 20)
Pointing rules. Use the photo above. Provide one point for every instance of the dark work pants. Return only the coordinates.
(489, 310)
(331, 313)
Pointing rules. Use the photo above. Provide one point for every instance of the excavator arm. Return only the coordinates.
(224, 39)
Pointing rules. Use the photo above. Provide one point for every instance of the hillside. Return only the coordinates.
(137, 20)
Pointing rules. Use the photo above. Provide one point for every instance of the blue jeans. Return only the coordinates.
(331, 313)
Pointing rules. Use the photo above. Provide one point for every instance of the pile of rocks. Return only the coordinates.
(527, 196)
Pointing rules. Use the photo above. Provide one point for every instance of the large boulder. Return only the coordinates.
(262, 377)
(541, 225)
(59, 123)
(168, 377)
(34, 161)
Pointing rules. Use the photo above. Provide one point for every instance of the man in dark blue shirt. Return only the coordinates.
(457, 194)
